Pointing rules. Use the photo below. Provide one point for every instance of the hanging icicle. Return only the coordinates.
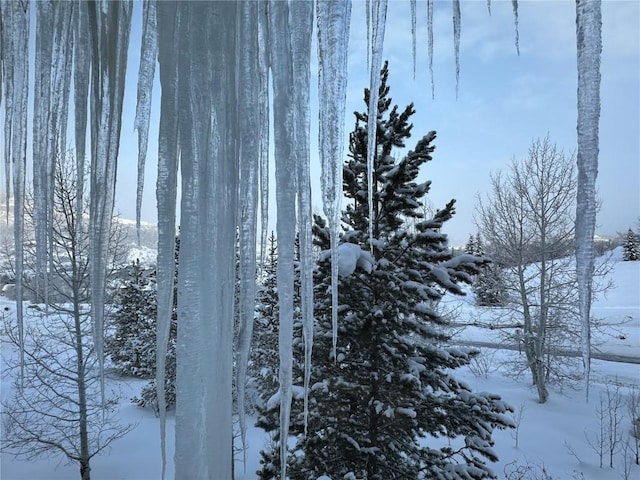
(263, 114)
(109, 25)
(430, 46)
(413, 35)
(42, 144)
(514, 4)
(589, 46)
(15, 26)
(166, 194)
(249, 152)
(456, 40)
(81, 69)
(377, 42)
(281, 61)
(301, 28)
(146, 73)
(333, 20)
(489, 6)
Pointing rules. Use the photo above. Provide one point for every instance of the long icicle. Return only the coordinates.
(148, 55)
(413, 35)
(589, 47)
(110, 24)
(249, 152)
(263, 113)
(81, 69)
(42, 138)
(456, 40)
(302, 27)
(333, 20)
(166, 194)
(16, 22)
(514, 4)
(280, 59)
(430, 45)
(377, 41)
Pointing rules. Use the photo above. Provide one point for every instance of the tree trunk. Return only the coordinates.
(82, 396)
(85, 470)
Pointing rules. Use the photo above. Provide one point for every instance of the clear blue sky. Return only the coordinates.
(504, 101)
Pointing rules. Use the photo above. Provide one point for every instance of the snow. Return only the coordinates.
(350, 256)
(546, 432)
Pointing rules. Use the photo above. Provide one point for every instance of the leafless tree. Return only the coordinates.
(527, 219)
(57, 407)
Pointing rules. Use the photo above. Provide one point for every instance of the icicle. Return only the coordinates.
(413, 35)
(333, 42)
(302, 26)
(15, 25)
(430, 45)
(109, 28)
(148, 55)
(81, 67)
(209, 167)
(166, 193)
(281, 61)
(589, 46)
(489, 6)
(456, 40)
(42, 143)
(263, 112)
(367, 6)
(514, 4)
(377, 41)
(249, 151)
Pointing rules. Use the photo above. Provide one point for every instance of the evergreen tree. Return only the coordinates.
(132, 346)
(479, 246)
(489, 287)
(631, 247)
(148, 395)
(386, 405)
(470, 247)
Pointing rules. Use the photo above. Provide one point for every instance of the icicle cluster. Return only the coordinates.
(589, 43)
(222, 144)
(15, 66)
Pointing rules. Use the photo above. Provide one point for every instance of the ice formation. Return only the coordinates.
(333, 36)
(589, 43)
(203, 129)
(148, 54)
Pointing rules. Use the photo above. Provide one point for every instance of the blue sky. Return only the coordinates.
(505, 101)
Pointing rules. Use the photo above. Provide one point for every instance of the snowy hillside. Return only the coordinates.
(555, 438)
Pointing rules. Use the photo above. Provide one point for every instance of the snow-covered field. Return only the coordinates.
(553, 436)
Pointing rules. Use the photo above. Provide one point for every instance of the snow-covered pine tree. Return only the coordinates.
(470, 246)
(479, 249)
(488, 285)
(148, 395)
(264, 359)
(386, 406)
(132, 345)
(631, 247)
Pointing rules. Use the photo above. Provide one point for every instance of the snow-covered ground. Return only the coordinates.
(553, 436)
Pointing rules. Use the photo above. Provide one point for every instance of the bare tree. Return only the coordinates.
(528, 221)
(57, 406)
